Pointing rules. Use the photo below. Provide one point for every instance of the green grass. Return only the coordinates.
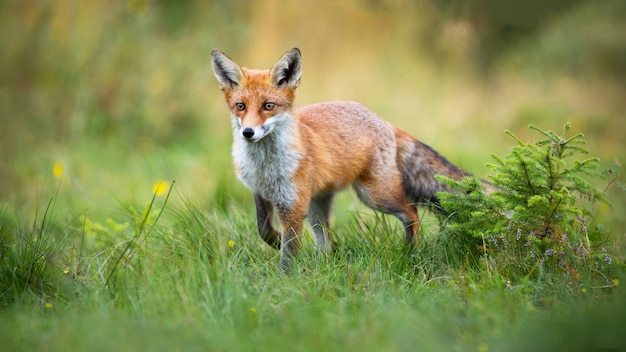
(102, 101)
(197, 280)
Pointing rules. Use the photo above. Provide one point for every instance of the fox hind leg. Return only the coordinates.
(407, 213)
(318, 216)
(389, 197)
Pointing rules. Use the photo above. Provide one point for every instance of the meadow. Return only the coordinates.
(123, 226)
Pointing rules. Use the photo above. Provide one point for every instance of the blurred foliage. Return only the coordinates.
(99, 68)
(121, 93)
(500, 25)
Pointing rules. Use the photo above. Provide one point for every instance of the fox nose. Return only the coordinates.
(247, 132)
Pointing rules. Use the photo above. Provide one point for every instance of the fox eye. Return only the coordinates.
(240, 106)
(269, 106)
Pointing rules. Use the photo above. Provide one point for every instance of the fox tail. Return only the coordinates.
(418, 164)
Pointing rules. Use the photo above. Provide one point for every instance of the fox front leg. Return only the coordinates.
(264, 217)
(291, 220)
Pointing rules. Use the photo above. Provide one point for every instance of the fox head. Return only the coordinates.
(259, 100)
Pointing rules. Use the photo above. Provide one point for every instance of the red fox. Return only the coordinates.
(295, 160)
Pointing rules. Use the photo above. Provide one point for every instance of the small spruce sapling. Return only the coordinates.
(539, 219)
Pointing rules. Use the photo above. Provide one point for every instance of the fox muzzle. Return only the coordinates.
(247, 133)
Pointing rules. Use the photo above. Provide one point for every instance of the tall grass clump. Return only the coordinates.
(127, 261)
(540, 222)
(32, 258)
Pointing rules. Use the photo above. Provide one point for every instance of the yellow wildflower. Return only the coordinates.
(483, 347)
(160, 188)
(615, 282)
(57, 170)
(48, 305)
(66, 271)
(231, 243)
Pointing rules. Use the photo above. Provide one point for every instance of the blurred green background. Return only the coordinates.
(106, 98)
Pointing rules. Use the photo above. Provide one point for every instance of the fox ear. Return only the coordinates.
(287, 71)
(227, 72)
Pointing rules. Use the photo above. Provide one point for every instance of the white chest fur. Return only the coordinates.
(267, 166)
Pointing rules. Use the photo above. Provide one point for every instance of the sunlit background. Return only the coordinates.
(107, 100)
